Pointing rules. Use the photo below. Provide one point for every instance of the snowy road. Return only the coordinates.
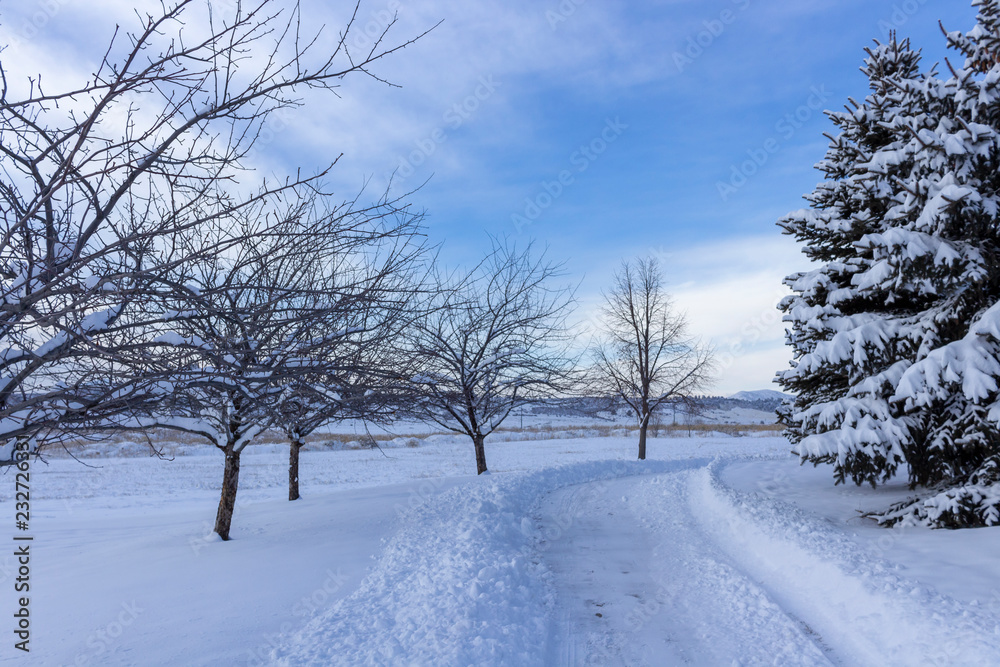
(677, 569)
(640, 583)
(627, 563)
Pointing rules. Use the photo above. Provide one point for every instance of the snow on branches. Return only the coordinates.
(897, 358)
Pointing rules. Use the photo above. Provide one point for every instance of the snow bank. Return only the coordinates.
(847, 594)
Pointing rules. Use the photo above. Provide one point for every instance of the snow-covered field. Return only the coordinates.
(716, 551)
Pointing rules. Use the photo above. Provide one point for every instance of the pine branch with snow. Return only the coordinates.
(895, 352)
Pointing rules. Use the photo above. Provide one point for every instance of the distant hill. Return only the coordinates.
(760, 395)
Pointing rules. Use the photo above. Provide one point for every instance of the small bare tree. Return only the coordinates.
(492, 342)
(354, 382)
(644, 355)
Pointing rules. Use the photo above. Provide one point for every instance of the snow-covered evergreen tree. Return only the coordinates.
(896, 346)
(839, 325)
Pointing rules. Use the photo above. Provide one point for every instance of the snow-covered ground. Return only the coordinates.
(717, 550)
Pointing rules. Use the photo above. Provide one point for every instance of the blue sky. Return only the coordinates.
(601, 130)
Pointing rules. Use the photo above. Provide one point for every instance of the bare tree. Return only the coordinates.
(357, 383)
(275, 322)
(101, 185)
(644, 354)
(235, 335)
(363, 292)
(492, 342)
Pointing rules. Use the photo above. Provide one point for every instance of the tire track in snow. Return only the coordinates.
(869, 614)
(638, 582)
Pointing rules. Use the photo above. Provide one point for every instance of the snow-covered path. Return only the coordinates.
(675, 568)
(634, 563)
(640, 583)
(719, 551)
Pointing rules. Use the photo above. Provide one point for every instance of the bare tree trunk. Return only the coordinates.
(227, 503)
(293, 467)
(643, 426)
(480, 453)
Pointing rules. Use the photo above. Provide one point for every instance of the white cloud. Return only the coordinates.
(751, 370)
(729, 291)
